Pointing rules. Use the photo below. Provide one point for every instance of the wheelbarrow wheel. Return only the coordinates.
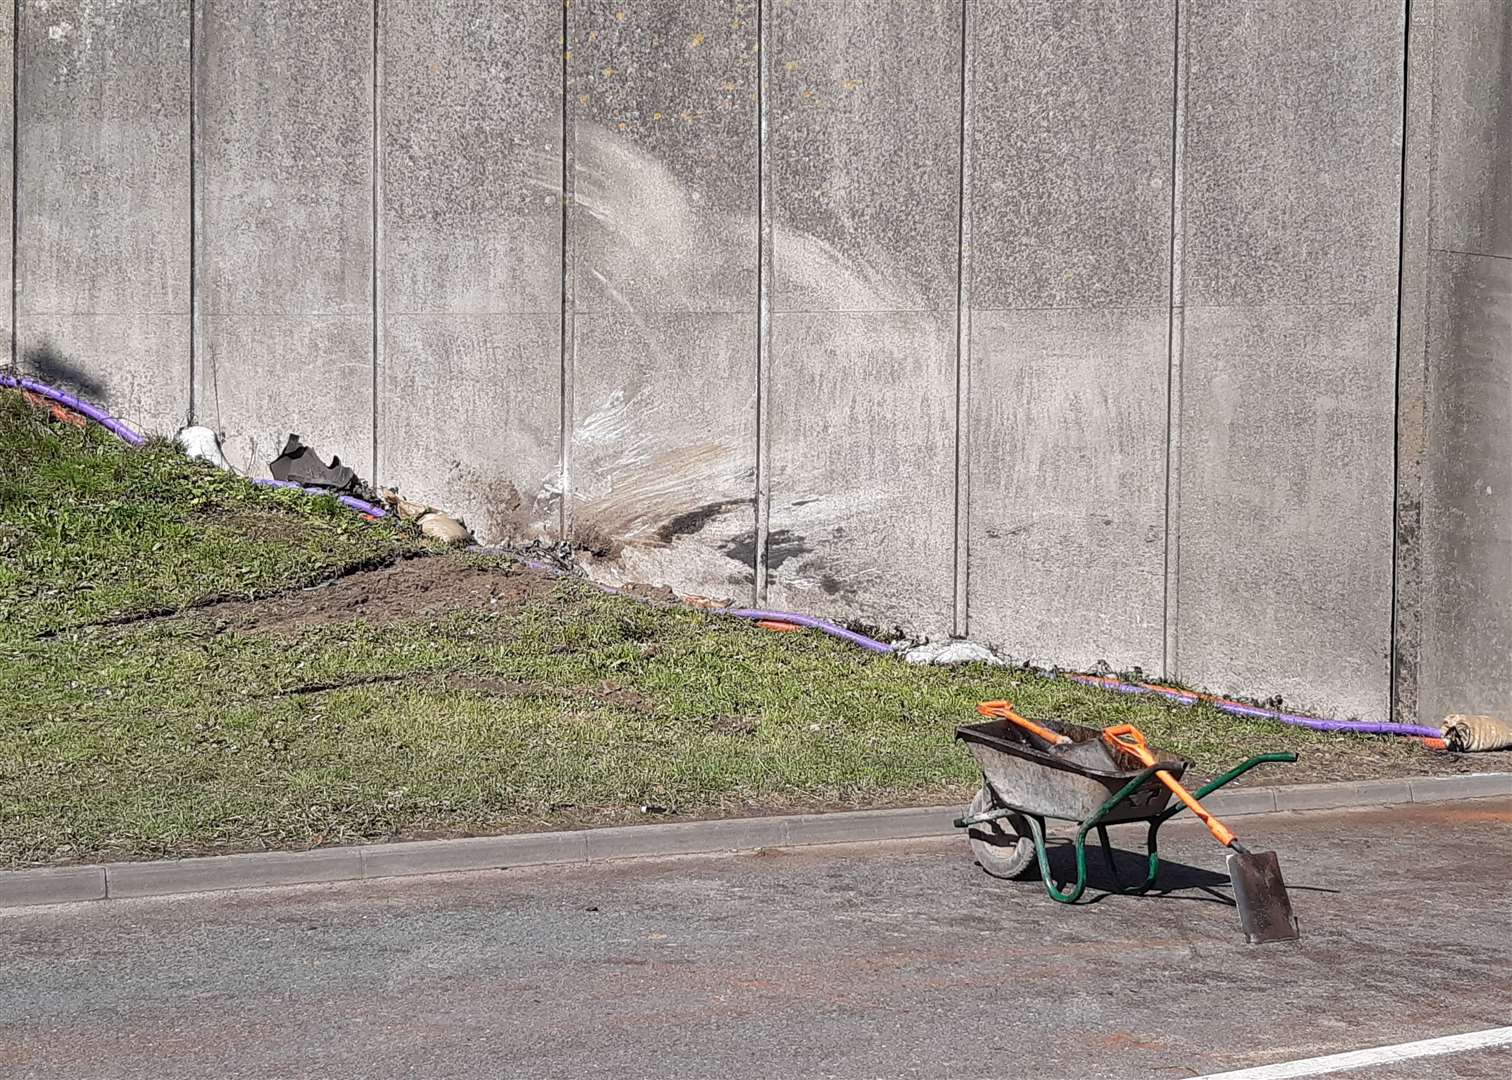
(1004, 846)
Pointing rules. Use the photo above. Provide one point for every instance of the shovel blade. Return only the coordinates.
(1265, 911)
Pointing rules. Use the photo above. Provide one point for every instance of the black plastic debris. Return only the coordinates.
(301, 464)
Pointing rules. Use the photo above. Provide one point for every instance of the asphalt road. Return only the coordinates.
(898, 960)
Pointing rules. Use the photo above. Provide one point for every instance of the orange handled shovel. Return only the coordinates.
(1265, 911)
(1004, 709)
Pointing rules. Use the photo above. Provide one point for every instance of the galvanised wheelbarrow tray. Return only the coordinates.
(1027, 779)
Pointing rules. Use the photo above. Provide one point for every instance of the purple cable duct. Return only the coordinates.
(350, 501)
(815, 624)
(1255, 712)
(83, 408)
(126, 435)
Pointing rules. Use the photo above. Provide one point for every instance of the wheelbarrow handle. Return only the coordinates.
(1131, 740)
(1004, 709)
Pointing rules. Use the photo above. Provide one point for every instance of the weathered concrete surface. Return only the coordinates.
(7, 162)
(284, 161)
(1412, 359)
(102, 245)
(660, 466)
(1069, 282)
(1467, 491)
(864, 153)
(664, 436)
(899, 960)
(470, 261)
(1466, 535)
(863, 477)
(1285, 583)
(1292, 183)
(864, 150)
(1068, 475)
(1473, 124)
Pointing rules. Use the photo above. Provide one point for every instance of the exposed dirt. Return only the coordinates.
(615, 694)
(657, 594)
(413, 587)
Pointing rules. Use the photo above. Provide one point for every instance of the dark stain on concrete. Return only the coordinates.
(782, 545)
(52, 367)
(692, 521)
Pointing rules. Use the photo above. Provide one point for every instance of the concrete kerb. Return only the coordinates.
(71, 884)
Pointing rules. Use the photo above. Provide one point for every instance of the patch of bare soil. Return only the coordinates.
(656, 594)
(426, 586)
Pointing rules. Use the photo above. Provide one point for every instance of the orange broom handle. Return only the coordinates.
(1129, 738)
(1004, 709)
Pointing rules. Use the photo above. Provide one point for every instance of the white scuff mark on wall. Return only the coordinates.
(648, 449)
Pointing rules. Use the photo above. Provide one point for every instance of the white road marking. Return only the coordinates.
(1379, 1055)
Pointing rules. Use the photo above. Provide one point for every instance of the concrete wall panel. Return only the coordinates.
(664, 226)
(1068, 513)
(663, 449)
(285, 171)
(863, 466)
(1472, 169)
(1467, 497)
(1466, 530)
(865, 159)
(1285, 584)
(1293, 151)
(1293, 154)
(470, 261)
(7, 161)
(1071, 236)
(102, 249)
(1071, 177)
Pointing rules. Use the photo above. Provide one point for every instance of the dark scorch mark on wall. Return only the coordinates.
(694, 520)
(782, 545)
(50, 367)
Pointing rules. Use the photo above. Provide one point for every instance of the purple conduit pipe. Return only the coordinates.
(349, 501)
(83, 408)
(1255, 712)
(126, 435)
(815, 624)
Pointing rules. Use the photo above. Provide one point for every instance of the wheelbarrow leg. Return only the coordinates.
(1108, 860)
(1037, 828)
(1152, 845)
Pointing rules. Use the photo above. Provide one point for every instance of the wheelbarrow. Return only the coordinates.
(1091, 781)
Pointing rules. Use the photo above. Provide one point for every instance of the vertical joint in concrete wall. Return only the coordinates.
(569, 260)
(194, 18)
(963, 339)
(15, 356)
(1174, 341)
(1411, 351)
(377, 267)
(763, 300)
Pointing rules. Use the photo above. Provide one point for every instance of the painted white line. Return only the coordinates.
(1380, 1055)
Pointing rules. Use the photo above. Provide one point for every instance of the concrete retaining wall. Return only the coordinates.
(1454, 571)
(1069, 325)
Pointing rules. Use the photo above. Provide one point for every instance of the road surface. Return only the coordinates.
(895, 960)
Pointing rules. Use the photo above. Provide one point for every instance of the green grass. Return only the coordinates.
(91, 530)
(174, 737)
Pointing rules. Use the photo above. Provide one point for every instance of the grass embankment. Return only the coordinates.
(122, 737)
